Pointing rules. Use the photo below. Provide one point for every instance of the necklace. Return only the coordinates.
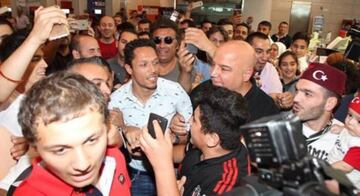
(312, 138)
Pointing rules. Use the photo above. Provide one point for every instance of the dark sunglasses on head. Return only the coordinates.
(167, 40)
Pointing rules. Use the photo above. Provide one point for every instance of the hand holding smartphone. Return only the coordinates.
(161, 120)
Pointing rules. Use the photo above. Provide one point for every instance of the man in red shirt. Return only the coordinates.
(64, 117)
(107, 40)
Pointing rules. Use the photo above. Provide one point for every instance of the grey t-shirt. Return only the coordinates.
(119, 70)
(175, 73)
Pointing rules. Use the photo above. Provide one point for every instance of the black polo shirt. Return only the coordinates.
(259, 103)
(286, 40)
(213, 176)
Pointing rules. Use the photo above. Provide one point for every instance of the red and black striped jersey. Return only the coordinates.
(213, 176)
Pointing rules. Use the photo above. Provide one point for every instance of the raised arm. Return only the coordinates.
(13, 69)
(159, 153)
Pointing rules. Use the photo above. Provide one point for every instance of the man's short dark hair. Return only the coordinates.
(205, 21)
(144, 21)
(244, 25)
(75, 41)
(163, 23)
(125, 26)
(10, 43)
(220, 29)
(223, 111)
(284, 22)
(60, 97)
(250, 38)
(133, 31)
(142, 33)
(328, 94)
(301, 36)
(189, 22)
(224, 21)
(265, 23)
(91, 60)
(137, 43)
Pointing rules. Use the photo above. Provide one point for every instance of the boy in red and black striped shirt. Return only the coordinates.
(219, 160)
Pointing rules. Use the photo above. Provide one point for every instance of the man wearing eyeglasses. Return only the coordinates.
(166, 35)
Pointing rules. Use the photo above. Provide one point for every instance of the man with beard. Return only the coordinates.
(84, 46)
(145, 93)
(317, 94)
(265, 28)
(282, 35)
(117, 63)
(107, 40)
(81, 46)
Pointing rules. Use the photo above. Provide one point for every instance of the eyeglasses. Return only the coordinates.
(167, 40)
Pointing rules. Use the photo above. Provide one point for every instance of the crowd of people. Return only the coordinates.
(74, 111)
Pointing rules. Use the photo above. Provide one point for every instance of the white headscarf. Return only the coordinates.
(281, 48)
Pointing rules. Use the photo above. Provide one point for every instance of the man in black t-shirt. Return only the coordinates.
(233, 67)
(219, 161)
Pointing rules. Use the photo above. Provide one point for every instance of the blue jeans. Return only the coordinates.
(142, 183)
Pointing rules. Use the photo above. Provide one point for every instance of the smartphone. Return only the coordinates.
(161, 120)
(59, 31)
(174, 16)
(79, 25)
(197, 4)
(191, 48)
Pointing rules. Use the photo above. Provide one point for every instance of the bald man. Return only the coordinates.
(107, 40)
(84, 46)
(232, 68)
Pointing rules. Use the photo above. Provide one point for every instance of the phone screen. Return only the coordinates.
(174, 16)
(191, 48)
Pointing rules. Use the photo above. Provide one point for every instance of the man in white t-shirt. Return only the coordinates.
(318, 93)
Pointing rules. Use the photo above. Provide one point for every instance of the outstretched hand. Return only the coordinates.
(198, 38)
(159, 151)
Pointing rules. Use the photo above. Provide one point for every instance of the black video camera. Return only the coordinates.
(277, 146)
